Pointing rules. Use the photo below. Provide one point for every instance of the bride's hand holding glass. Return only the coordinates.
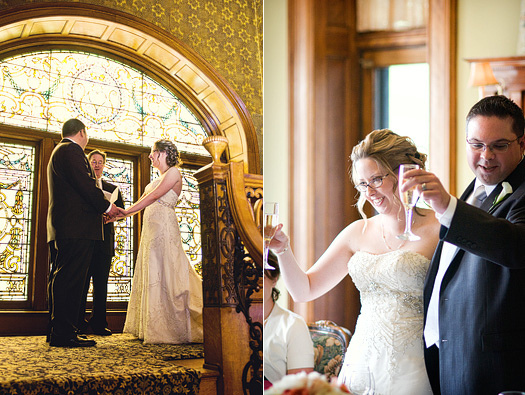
(280, 241)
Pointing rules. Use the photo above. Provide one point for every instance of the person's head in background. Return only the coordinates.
(97, 159)
(271, 294)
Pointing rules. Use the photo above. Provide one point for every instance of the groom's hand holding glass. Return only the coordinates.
(429, 187)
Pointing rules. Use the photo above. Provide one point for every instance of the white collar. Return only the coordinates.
(488, 188)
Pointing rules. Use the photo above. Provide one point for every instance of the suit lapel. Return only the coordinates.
(515, 180)
(436, 259)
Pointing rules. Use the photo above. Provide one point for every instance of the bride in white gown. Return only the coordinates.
(165, 305)
(389, 273)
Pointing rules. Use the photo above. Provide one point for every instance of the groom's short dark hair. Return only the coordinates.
(502, 107)
(72, 127)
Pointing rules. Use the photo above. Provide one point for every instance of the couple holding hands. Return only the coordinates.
(166, 297)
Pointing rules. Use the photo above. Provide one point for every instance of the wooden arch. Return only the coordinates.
(150, 49)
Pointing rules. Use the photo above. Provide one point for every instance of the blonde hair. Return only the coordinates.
(388, 150)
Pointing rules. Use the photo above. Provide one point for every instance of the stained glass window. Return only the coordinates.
(119, 103)
(116, 102)
(119, 172)
(16, 194)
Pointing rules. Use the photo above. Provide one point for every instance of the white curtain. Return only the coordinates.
(373, 15)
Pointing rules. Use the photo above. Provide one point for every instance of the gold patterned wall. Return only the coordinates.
(226, 33)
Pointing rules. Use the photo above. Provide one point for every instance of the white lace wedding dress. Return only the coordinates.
(388, 334)
(165, 305)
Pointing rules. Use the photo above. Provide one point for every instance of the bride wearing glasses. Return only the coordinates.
(388, 272)
(165, 305)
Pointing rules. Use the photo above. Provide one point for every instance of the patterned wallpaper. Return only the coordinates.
(226, 33)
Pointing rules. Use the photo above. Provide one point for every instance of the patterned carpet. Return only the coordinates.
(118, 364)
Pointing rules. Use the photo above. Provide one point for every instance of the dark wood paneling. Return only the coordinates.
(323, 132)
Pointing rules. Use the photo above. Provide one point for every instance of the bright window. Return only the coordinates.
(118, 103)
(16, 196)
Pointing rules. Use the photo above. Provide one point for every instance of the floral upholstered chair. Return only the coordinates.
(330, 343)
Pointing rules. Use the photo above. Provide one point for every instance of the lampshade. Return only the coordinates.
(481, 74)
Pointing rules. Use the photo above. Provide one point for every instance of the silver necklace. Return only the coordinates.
(384, 239)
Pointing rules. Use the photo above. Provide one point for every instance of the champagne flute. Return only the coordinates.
(271, 219)
(359, 379)
(409, 199)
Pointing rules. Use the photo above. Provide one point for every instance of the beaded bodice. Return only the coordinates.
(391, 289)
(168, 200)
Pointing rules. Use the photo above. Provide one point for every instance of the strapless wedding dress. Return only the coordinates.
(388, 334)
(165, 304)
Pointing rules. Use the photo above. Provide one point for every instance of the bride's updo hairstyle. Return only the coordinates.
(388, 150)
(172, 154)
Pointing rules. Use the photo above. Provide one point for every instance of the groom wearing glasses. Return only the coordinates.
(475, 289)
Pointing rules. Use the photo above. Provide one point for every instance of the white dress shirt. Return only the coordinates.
(287, 344)
(431, 331)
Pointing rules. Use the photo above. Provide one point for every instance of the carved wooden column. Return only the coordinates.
(228, 283)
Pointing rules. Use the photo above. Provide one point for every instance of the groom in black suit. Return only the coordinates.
(74, 223)
(475, 289)
(101, 261)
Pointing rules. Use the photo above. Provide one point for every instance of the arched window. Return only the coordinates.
(147, 71)
(118, 103)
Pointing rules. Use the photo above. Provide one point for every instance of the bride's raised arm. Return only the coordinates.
(168, 180)
(325, 274)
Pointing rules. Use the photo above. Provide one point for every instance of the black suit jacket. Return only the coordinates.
(482, 296)
(76, 204)
(108, 245)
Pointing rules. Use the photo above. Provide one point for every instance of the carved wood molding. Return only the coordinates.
(242, 211)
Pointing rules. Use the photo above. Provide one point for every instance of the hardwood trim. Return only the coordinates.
(388, 57)
(515, 61)
(241, 213)
(442, 63)
(301, 39)
(385, 40)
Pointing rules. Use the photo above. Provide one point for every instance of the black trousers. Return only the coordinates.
(98, 271)
(69, 269)
(432, 365)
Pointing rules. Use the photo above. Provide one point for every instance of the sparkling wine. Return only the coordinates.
(270, 222)
(409, 198)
